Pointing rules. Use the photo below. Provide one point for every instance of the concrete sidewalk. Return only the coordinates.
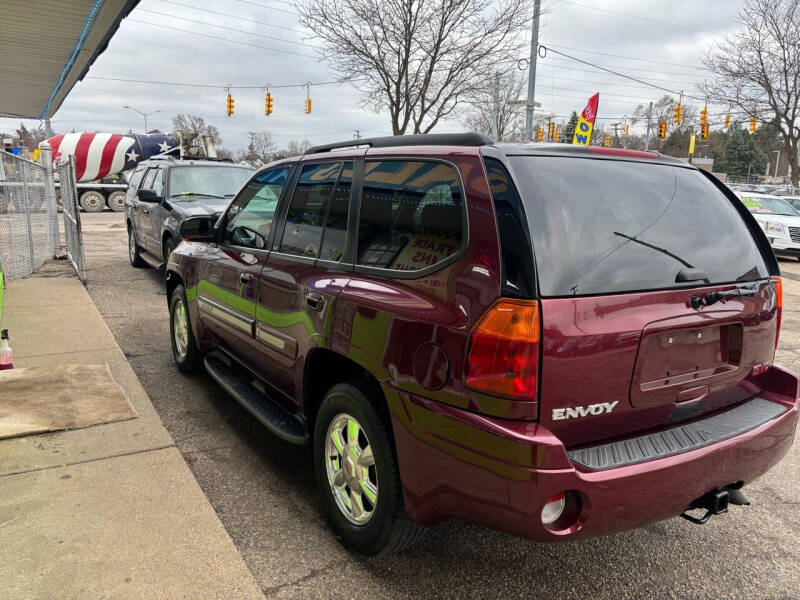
(110, 511)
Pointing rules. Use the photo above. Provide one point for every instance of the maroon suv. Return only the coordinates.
(550, 340)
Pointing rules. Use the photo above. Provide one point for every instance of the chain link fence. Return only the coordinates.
(29, 233)
(73, 234)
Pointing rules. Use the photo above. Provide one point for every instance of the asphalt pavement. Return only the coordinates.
(264, 493)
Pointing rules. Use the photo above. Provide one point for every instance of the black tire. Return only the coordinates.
(169, 246)
(133, 251)
(116, 201)
(191, 360)
(389, 529)
(92, 201)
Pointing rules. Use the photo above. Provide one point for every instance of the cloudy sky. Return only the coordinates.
(255, 42)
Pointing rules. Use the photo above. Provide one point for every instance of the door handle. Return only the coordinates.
(314, 301)
(146, 211)
(245, 277)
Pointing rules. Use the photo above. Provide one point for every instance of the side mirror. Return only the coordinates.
(148, 196)
(198, 229)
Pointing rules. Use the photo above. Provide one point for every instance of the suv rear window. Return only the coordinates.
(607, 226)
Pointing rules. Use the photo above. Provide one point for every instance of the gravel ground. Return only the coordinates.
(264, 493)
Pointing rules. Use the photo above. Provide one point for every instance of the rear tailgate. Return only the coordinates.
(621, 250)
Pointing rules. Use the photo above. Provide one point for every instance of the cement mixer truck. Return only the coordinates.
(102, 161)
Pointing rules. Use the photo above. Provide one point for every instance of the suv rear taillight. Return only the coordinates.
(777, 285)
(503, 353)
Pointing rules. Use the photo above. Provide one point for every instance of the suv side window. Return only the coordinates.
(412, 215)
(147, 184)
(158, 182)
(250, 215)
(321, 196)
(136, 178)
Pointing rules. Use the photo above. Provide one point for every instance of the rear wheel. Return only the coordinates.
(357, 472)
(188, 357)
(116, 201)
(92, 201)
(133, 250)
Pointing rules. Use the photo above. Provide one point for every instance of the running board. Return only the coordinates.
(286, 426)
(150, 259)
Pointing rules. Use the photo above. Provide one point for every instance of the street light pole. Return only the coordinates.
(144, 114)
(777, 162)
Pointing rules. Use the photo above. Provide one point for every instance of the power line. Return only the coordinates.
(216, 37)
(658, 62)
(619, 14)
(230, 16)
(290, 12)
(261, 35)
(217, 85)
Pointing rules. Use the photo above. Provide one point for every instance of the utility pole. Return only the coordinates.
(496, 107)
(357, 134)
(616, 135)
(48, 130)
(532, 71)
(252, 149)
(647, 135)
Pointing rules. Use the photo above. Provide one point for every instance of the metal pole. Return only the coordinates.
(145, 124)
(50, 195)
(647, 135)
(777, 162)
(24, 171)
(496, 107)
(532, 72)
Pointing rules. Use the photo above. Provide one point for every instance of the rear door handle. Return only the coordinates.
(245, 277)
(146, 211)
(314, 301)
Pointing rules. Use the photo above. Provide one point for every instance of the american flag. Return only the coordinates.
(101, 154)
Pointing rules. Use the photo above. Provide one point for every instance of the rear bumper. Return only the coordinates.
(498, 473)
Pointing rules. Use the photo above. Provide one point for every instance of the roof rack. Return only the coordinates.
(422, 139)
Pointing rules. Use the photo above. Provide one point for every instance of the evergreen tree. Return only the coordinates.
(569, 130)
(742, 154)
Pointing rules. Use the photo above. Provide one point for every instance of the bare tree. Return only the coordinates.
(419, 59)
(260, 150)
(503, 97)
(663, 111)
(293, 148)
(191, 127)
(757, 69)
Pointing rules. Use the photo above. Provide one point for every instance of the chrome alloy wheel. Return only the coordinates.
(350, 466)
(180, 328)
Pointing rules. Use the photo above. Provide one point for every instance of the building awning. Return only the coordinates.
(48, 47)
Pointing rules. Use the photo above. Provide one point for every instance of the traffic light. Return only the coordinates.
(556, 135)
(627, 129)
(704, 131)
(229, 109)
(308, 106)
(608, 141)
(727, 120)
(677, 114)
(268, 100)
(753, 123)
(703, 116)
(662, 130)
(550, 129)
(539, 134)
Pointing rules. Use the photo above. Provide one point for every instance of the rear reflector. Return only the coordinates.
(777, 285)
(503, 355)
(553, 509)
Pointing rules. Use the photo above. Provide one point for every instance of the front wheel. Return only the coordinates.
(188, 357)
(357, 472)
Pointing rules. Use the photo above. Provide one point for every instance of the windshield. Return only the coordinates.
(608, 226)
(216, 182)
(769, 206)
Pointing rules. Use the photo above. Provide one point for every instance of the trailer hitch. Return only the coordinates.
(715, 502)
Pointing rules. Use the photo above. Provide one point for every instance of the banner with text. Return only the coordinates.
(583, 130)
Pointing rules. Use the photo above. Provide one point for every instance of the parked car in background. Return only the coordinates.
(780, 220)
(551, 340)
(163, 192)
